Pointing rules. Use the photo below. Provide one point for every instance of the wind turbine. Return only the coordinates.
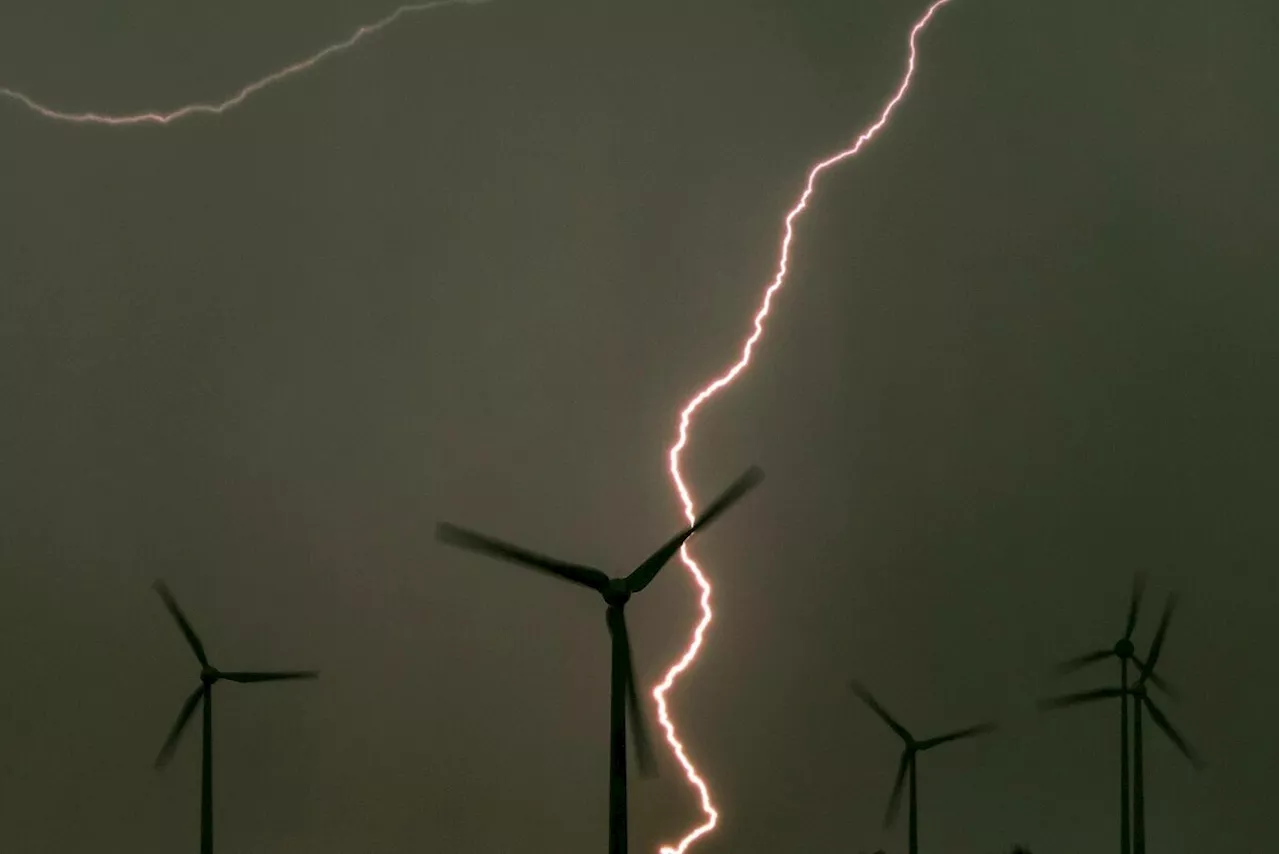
(1123, 651)
(908, 762)
(204, 693)
(1142, 700)
(616, 593)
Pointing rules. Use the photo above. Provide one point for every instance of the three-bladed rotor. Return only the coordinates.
(616, 592)
(208, 675)
(1122, 649)
(1138, 690)
(911, 746)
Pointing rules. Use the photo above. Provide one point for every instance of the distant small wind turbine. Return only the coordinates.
(616, 593)
(204, 692)
(1124, 652)
(1142, 700)
(908, 762)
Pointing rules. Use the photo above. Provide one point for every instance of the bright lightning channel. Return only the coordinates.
(220, 107)
(686, 415)
(709, 391)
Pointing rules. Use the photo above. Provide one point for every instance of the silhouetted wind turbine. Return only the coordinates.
(1142, 699)
(616, 593)
(1123, 651)
(204, 692)
(907, 765)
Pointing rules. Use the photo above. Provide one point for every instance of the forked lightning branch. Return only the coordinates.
(691, 408)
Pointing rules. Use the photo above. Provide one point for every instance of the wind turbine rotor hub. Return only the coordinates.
(1124, 648)
(617, 594)
(208, 675)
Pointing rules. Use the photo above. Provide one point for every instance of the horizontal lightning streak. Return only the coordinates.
(220, 107)
(709, 391)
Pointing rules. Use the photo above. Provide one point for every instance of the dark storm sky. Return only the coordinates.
(470, 271)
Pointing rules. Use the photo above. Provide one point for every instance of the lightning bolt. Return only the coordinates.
(709, 391)
(220, 107)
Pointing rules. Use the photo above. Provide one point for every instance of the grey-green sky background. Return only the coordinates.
(470, 271)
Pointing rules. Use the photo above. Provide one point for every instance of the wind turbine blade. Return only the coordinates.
(866, 697)
(466, 539)
(1071, 665)
(1157, 680)
(1079, 697)
(970, 732)
(895, 797)
(639, 727)
(268, 676)
(1169, 730)
(171, 743)
(640, 578)
(1158, 644)
(188, 632)
(1135, 602)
